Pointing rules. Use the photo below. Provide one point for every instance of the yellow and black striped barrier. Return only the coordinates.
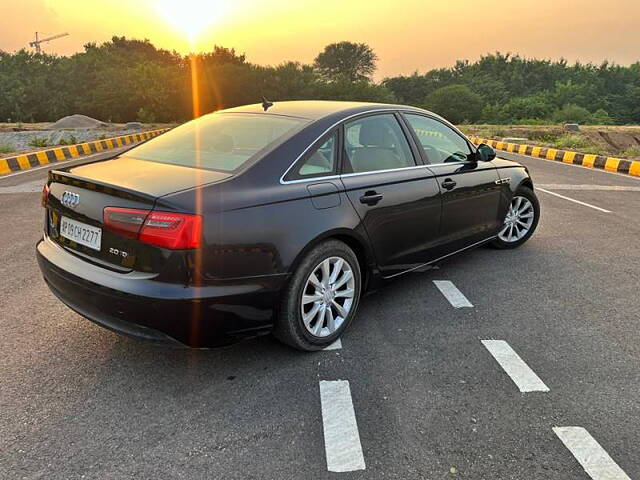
(611, 164)
(25, 161)
(429, 133)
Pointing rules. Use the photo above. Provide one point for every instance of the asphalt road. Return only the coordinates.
(430, 400)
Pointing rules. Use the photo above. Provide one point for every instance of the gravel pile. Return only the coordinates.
(68, 130)
(32, 140)
(77, 121)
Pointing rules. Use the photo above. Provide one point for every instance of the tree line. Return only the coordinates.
(125, 79)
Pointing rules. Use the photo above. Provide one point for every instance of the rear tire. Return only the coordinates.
(520, 221)
(321, 298)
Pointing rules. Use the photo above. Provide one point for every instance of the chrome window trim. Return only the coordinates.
(336, 177)
(457, 162)
(379, 110)
(310, 179)
(356, 174)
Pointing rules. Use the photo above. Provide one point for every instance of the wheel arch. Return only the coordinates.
(525, 182)
(353, 240)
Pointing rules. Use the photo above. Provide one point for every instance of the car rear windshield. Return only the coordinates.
(223, 141)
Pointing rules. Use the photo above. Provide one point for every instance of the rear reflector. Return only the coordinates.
(45, 195)
(176, 231)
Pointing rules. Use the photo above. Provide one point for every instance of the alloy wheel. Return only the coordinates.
(328, 296)
(518, 221)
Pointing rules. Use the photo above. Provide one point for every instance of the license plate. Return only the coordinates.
(81, 233)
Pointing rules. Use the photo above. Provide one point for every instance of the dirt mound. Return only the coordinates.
(620, 141)
(77, 121)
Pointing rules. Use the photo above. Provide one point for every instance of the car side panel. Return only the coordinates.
(267, 239)
(470, 209)
(403, 225)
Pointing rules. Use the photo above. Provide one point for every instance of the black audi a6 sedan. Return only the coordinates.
(272, 218)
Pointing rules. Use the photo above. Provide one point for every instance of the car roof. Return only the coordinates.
(316, 109)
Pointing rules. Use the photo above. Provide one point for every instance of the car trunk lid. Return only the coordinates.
(79, 195)
(151, 179)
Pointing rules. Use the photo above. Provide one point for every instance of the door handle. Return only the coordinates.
(448, 184)
(371, 197)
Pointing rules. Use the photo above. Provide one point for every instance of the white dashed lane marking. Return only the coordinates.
(593, 458)
(573, 200)
(341, 437)
(451, 292)
(337, 345)
(524, 378)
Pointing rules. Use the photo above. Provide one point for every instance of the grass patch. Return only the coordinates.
(595, 150)
(70, 140)
(543, 137)
(39, 142)
(580, 143)
(632, 151)
(571, 141)
(6, 148)
(484, 131)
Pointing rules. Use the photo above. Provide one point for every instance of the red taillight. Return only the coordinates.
(176, 231)
(45, 195)
(124, 221)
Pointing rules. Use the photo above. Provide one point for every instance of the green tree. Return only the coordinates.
(116, 79)
(581, 94)
(26, 85)
(457, 103)
(346, 61)
(492, 114)
(572, 113)
(492, 91)
(360, 91)
(410, 89)
(221, 55)
(601, 117)
(536, 107)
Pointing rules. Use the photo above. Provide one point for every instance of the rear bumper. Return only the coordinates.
(136, 305)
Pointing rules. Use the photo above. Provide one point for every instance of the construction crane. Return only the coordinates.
(36, 44)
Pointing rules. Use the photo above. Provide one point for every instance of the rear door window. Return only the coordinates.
(320, 162)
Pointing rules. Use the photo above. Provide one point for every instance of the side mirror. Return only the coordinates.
(485, 153)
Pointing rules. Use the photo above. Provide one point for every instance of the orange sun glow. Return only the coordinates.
(190, 17)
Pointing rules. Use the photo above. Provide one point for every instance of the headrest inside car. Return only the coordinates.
(374, 133)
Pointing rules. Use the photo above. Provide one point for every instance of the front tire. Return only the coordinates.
(321, 298)
(520, 221)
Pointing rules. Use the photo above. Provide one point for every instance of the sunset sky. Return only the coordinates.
(407, 35)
